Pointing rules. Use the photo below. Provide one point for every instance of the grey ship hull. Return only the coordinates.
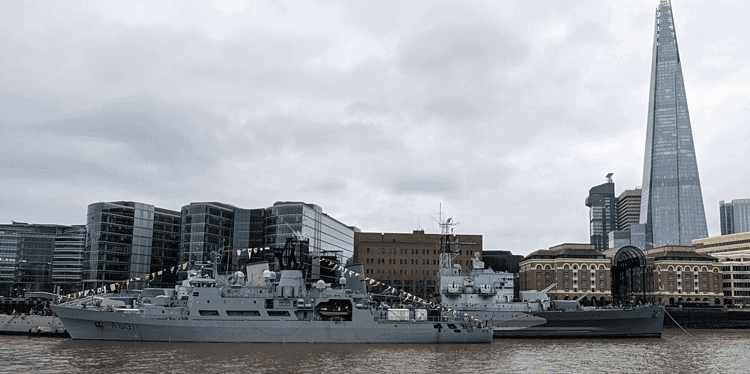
(645, 321)
(31, 325)
(101, 324)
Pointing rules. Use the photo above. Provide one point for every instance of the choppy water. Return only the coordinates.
(706, 351)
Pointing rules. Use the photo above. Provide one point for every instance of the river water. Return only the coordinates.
(705, 351)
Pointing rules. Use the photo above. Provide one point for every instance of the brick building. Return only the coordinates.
(577, 268)
(410, 261)
(680, 274)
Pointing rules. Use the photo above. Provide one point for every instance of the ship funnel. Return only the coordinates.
(352, 273)
(256, 272)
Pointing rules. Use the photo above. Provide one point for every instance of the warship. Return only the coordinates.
(254, 306)
(489, 296)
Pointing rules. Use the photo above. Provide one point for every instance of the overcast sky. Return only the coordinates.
(506, 112)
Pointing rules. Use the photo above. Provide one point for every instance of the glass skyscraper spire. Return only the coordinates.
(671, 203)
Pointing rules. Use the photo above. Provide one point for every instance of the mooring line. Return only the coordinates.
(675, 322)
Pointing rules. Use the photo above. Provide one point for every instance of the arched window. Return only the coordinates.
(584, 267)
(695, 269)
(539, 267)
(566, 267)
(716, 270)
(658, 268)
(601, 267)
(679, 268)
(704, 269)
(670, 268)
(671, 301)
(575, 267)
(546, 267)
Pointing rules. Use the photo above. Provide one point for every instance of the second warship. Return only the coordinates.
(489, 296)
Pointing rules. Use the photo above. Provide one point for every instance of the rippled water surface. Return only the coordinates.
(710, 351)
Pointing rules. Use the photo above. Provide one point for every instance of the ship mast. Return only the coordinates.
(446, 234)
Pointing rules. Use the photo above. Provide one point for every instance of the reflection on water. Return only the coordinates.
(705, 350)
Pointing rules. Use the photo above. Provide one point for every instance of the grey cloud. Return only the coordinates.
(328, 185)
(280, 133)
(453, 108)
(410, 181)
(169, 141)
(459, 53)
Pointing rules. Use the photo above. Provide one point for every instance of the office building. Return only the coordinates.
(40, 257)
(724, 243)
(328, 237)
(734, 216)
(127, 239)
(602, 213)
(213, 227)
(411, 261)
(629, 231)
(628, 208)
(671, 201)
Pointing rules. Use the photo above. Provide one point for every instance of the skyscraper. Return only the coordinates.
(734, 216)
(602, 213)
(672, 203)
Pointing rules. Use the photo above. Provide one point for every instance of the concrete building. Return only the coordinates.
(734, 216)
(671, 203)
(40, 257)
(576, 268)
(733, 254)
(724, 243)
(410, 261)
(602, 213)
(735, 269)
